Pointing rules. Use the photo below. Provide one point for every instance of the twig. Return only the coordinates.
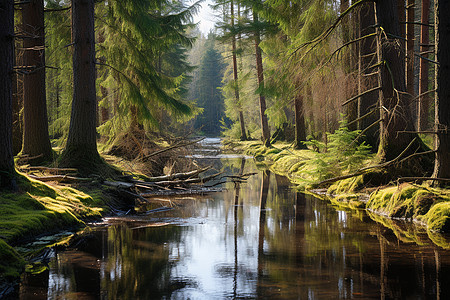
(173, 147)
(360, 95)
(402, 179)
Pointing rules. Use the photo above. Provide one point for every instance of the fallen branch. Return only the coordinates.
(59, 178)
(177, 175)
(50, 170)
(173, 147)
(188, 181)
(403, 179)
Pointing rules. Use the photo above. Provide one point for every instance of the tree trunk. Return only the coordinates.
(424, 101)
(442, 98)
(367, 78)
(351, 108)
(410, 36)
(300, 132)
(81, 149)
(394, 109)
(35, 131)
(260, 74)
(236, 82)
(6, 71)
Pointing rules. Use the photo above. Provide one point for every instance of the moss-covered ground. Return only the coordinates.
(422, 203)
(39, 208)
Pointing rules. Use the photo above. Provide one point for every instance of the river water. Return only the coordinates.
(258, 239)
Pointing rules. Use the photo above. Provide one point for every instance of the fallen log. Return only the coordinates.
(175, 176)
(59, 178)
(189, 180)
(47, 169)
(119, 184)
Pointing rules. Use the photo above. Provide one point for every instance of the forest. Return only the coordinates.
(345, 96)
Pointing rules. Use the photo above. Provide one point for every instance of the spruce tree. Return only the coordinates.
(36, 141)
(442, 98)
(81, 148)
(209, 95)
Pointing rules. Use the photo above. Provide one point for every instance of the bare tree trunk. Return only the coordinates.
(423, 106)
(410, 36)
(351, 108)
(81, 148)
(300, 132)
(236, 78)
(6, 70)
(260, 74)
(394, 110)
(442, 98)
(35, 131)
(367, 76)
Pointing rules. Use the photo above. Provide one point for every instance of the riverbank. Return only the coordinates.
(419, 203)
(39, 208)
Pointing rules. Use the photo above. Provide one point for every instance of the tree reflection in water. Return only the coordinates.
(260, 239)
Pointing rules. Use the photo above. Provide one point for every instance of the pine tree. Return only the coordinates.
(442, 98)
(36, 142)
(81, 148)
(209, 95)
(395, 112)
(138, 39)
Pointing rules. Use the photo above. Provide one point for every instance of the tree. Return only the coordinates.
(260, 74)
(367, 79)
(209, 95)
(81, 148)
(6, 70)
(442, 98)
(424, 99)
(36, 141)
(235, 76)
(143, 57)
(394, 106)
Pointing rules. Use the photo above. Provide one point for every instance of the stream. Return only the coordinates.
(258, 239)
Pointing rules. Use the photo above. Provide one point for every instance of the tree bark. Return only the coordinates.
(81, 148)
(6, 70)
(442, 98)
(260, 74)
(394, 109)
(300, 132)
(36, 141)
(410, 36)
(424, 101)
(367, 78)
(236, 78)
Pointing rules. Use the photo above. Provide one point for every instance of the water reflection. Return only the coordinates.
(260, 239)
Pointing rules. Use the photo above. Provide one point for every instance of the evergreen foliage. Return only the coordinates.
(341, 155)
(208, 92)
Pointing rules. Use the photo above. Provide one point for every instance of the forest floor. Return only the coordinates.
(396, 204)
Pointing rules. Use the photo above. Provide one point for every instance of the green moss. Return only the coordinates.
(438, 217)
(10, 262)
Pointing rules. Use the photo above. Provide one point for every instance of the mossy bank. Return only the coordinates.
(39, 208)
(422, 204)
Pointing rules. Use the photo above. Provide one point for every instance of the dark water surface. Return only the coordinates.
(259, 239)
